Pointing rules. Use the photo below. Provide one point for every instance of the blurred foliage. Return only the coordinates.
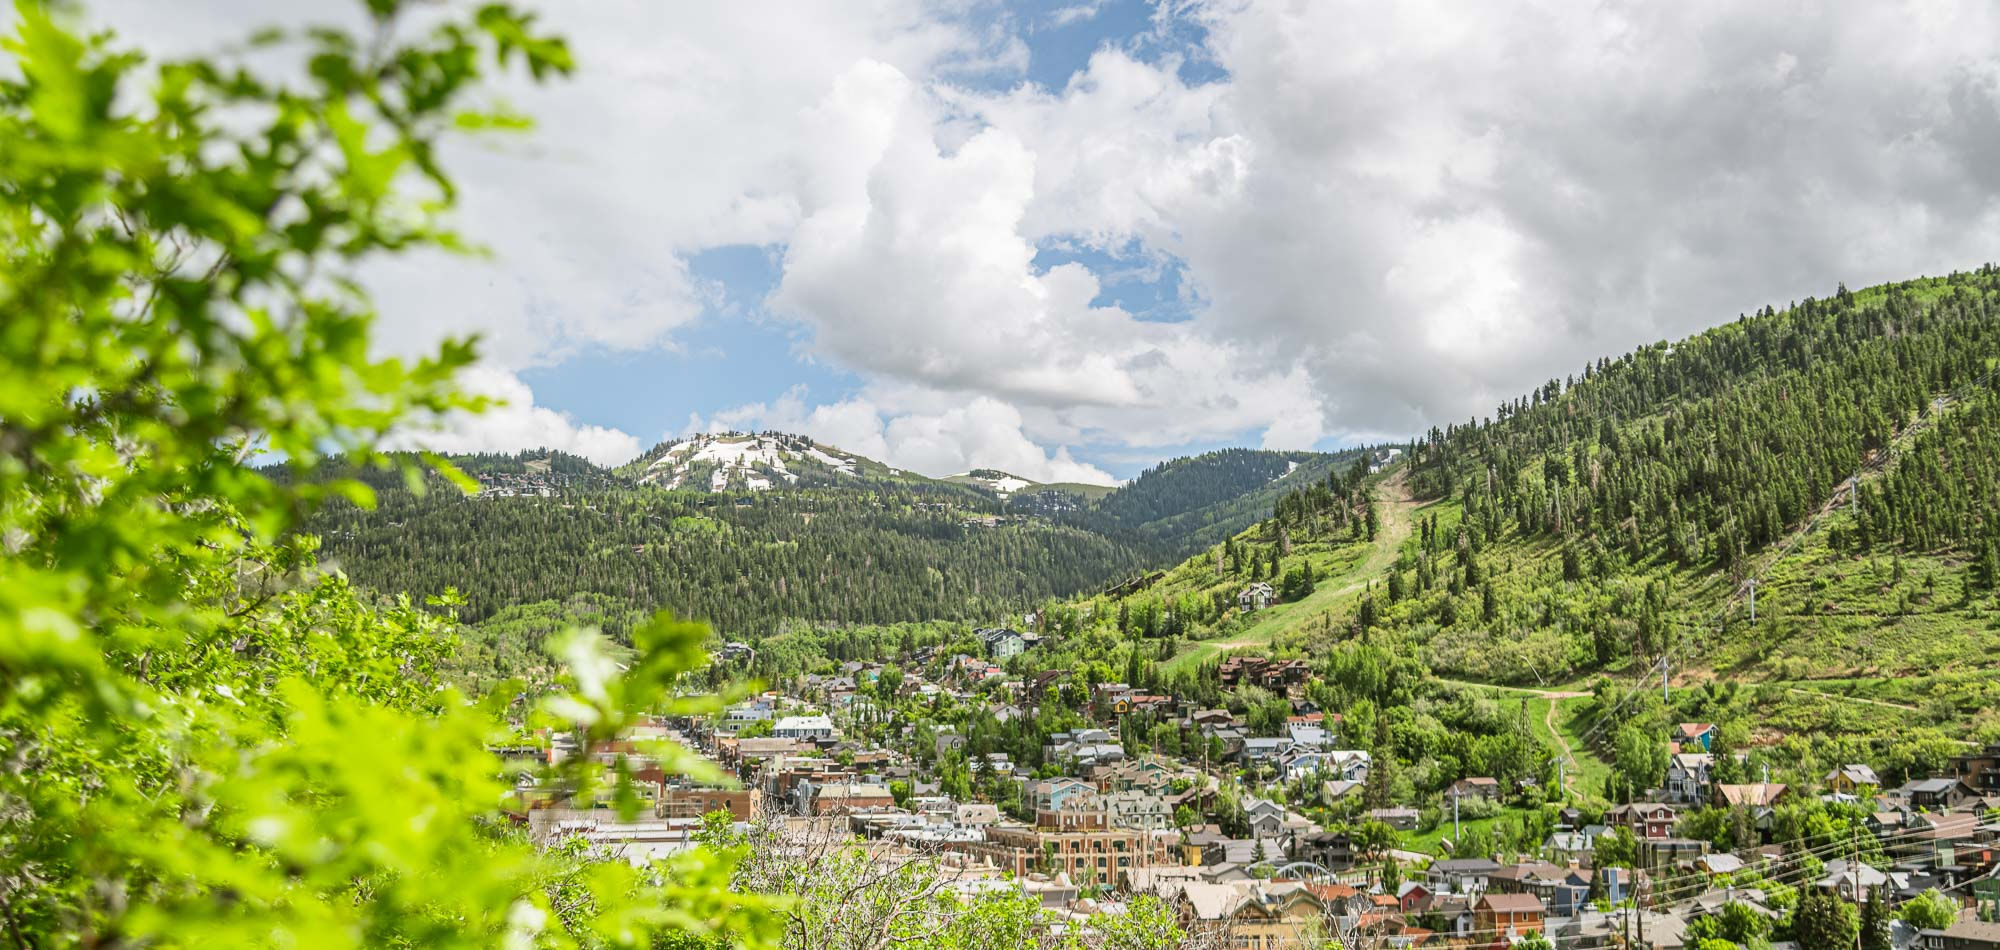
(204, 739)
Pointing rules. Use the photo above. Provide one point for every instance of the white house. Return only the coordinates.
(1348, 765)
(805, 727)
(1256, 597)
(1004, 642)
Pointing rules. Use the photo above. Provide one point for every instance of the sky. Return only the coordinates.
(1071, 239)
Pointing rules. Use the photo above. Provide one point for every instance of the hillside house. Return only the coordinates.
(1934, 794)
(1111, 698)
(1688, 777)
(1266, 818)
(1347, 765)
(1043, 682)
(1003, 643)
(1853, 881)
(1573, 846)
(1206, 719)
(1263, 671)
(1257, 596)
(1332, 850)
(1479, 787)
(1980, 771)
(1306, 736)
(1264, 751)
(1694, 736)
(1671, 851)
(1508, 915)
(1849, 778)
(1645, 819)
(1401, 818)
(1755, 795)
(1333, 792)
(1461, 875)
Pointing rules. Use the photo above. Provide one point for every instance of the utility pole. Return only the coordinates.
(1854, 867)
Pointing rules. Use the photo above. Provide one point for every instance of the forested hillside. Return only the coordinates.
(873, 552)
(826, 538)
(1189, 503)
(1842, 454)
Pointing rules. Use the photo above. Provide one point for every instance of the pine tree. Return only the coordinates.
(1823, 920)
(1875, 925)
(1381, 764)
(1988, 575)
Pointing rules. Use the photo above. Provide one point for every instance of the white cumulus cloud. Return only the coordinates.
(515, 424)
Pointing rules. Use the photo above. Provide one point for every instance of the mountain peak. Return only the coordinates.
(752, 461)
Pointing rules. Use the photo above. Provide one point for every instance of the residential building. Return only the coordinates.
(1507, 915)
(1694, 736)
(1137, 809)
(1480, 787)
(1461, 875)
(1266, 818)
(1645, 819)
(1401, 819)
(1853, 881)
(1257, 596)
(1980, 771)
(1688, 777)
(1346, 765)
(1308, 736)
(1003, 643)
(812, 728)
(1264, 751)
(1058, 793)
(1964, 935)
(1849, 778)
(1753, 795)
(1332, 850)
(1934, 794)
(1265, 672)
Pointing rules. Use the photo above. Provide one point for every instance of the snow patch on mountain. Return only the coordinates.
(998, 482)
(755, 462)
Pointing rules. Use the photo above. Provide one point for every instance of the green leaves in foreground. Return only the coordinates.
(204, 739)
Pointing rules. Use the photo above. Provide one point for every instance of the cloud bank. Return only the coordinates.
(1380, 217)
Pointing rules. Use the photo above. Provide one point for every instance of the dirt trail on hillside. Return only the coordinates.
(1393, 505)
(1568, 754)
(1822, 694)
